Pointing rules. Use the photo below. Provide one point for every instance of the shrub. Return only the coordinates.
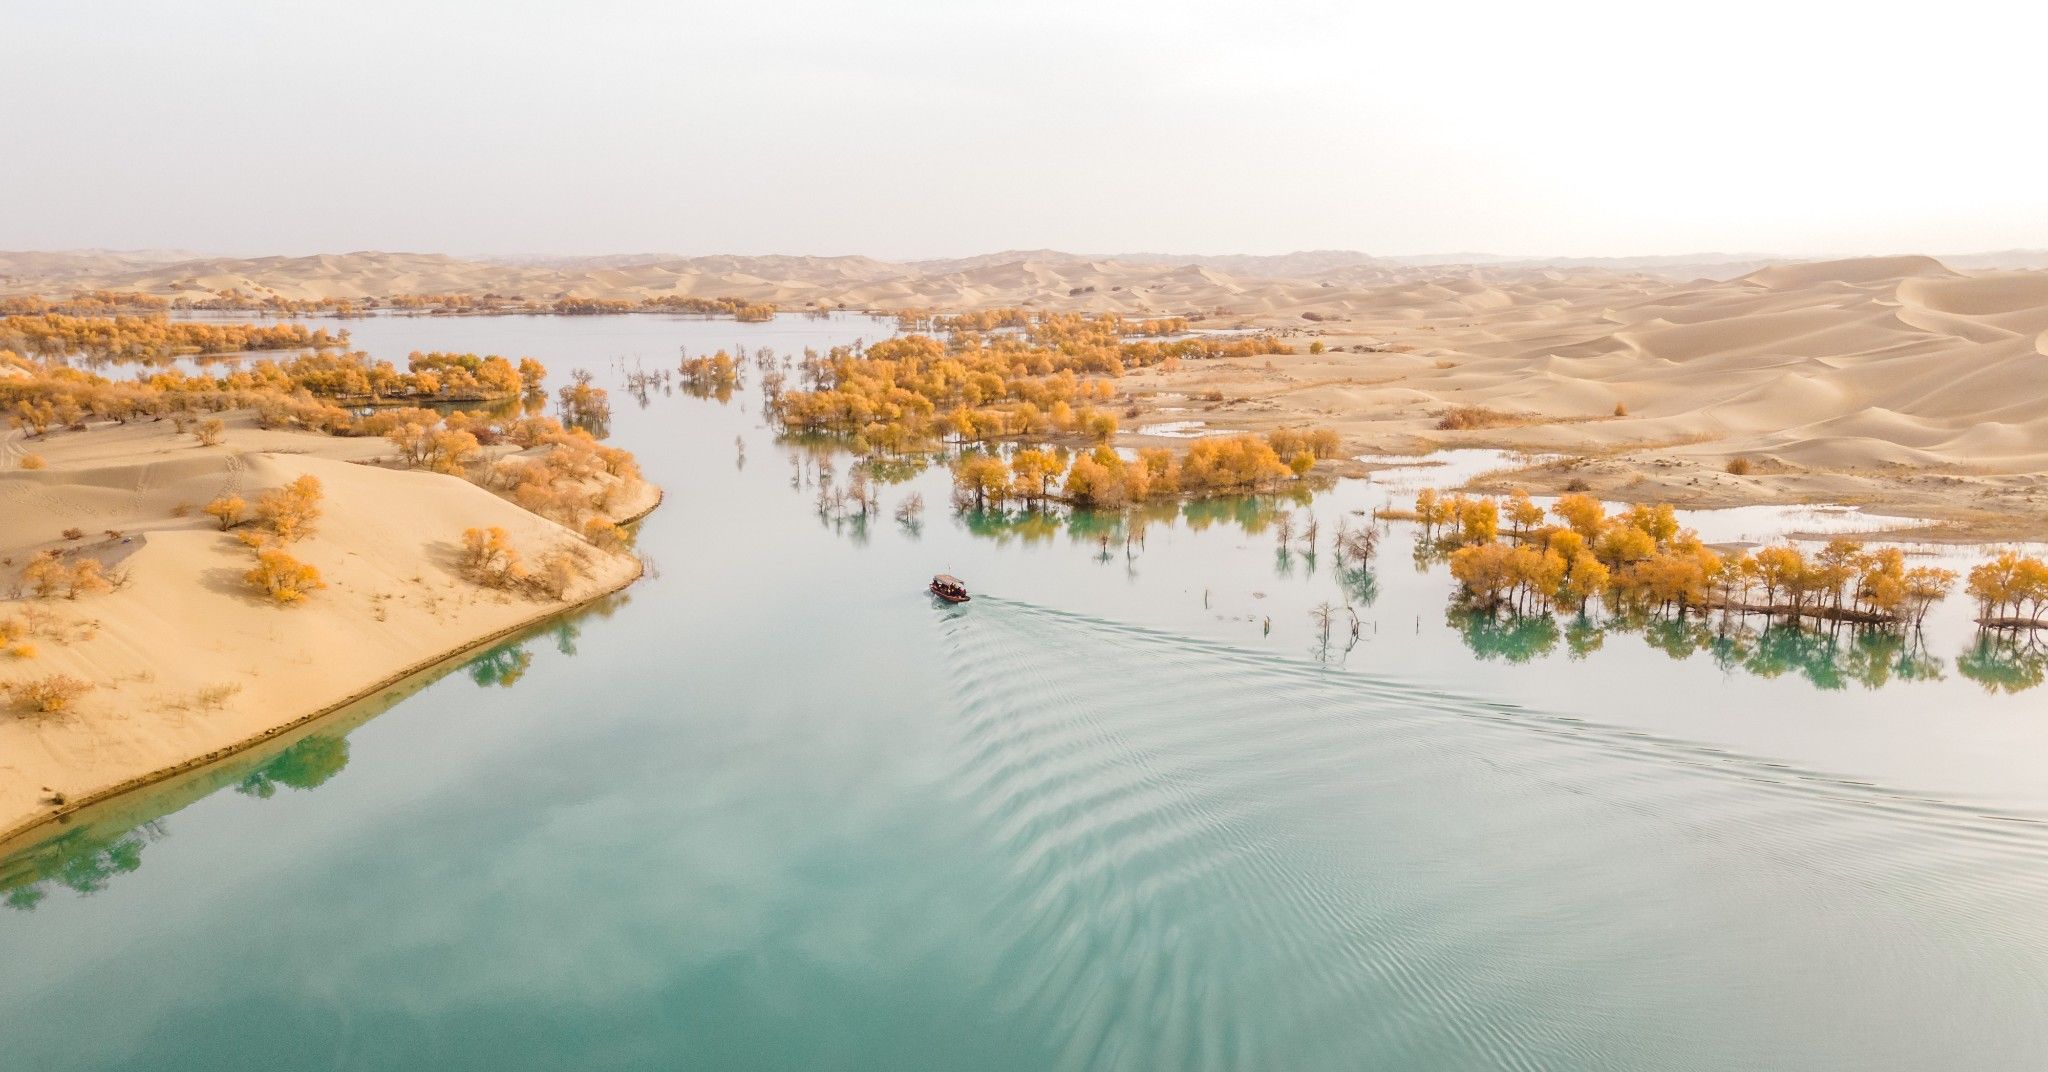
(1620, 410)
(211, 432)
(489, 559)
(1466, 418)
(45, 574)
(289, 512)
(215, 697)
(1739, 466)
(607, 536)
(560, 569)
(33, 461)
(86, 577)
(228, 510)
(282, 578)
(49, 695)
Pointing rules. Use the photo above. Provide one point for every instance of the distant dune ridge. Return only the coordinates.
(1848, 379)
(1136, 282)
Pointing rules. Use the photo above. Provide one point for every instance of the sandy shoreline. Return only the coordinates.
(189, 666)
(25, 832)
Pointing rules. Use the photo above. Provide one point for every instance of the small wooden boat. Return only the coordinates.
(949, 588)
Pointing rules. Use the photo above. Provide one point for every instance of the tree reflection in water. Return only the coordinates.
(502, 666)
(1833, 657)
(306, 765)
(85, 858)
(1121, 528)
(81, 860)
(2005, 660)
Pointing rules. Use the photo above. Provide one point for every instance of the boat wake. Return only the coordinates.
(1218, 859)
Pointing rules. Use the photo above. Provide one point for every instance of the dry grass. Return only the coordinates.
(49, 695)
(1469, 418)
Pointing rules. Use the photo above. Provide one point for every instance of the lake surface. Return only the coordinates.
(1128, 809)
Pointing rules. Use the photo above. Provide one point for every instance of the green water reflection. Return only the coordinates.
(85, 859)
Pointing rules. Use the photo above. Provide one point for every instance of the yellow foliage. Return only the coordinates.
(289, 512)
(228, 510)
(282, 578)
(489, 559)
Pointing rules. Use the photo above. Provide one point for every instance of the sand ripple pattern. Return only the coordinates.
(1214, 860)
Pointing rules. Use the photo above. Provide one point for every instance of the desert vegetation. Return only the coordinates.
(64, 573)
(1529, 580)
(488, 559)
(47, 695)
(2011, 590)
(557, 470)
(1522, 559)
(1103, 478)
(282, 579)
(137, 338)
(1050, 376)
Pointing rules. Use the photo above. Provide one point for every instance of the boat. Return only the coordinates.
(949, 588)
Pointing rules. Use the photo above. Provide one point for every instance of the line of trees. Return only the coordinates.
(112, 302)
(913, 391)
(1104, 478)
(2011, 590)
(1642, 556)
(139, 338)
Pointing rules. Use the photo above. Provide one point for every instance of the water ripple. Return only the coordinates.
(1214, 856)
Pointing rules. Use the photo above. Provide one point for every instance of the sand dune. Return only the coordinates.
(185, 622)
(1893, 381)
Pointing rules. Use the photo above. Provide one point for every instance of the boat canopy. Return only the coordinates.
(947, 580)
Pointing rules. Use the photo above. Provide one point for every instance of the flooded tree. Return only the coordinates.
(2011, 589)
(584, 405)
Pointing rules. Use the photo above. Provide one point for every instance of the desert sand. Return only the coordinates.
(1901, 384)
(187, 662)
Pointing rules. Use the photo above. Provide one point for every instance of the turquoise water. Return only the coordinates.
(774, 808)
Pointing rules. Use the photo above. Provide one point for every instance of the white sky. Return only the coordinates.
(947, 127)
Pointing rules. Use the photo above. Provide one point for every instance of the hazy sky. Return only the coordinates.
(946, 127)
